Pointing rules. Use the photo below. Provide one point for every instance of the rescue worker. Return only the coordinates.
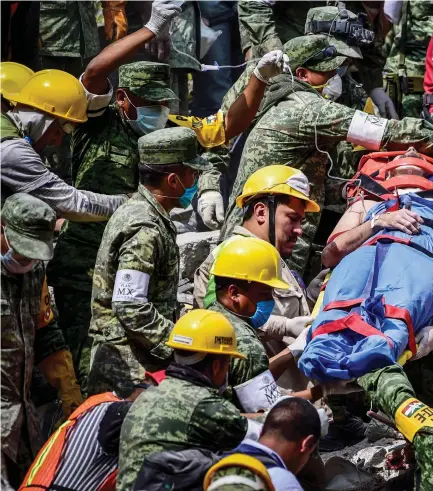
(275, 199)
(268, 25)
(289, 437)
(405, 49)
(46, 108)
(25, 337)
(302, 126)
(107, 146)
(187, 409)
(137, 268)
(83, 454)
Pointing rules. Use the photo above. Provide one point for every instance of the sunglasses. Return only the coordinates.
(322, 55)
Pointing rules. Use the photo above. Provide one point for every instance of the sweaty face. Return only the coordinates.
(288, 225)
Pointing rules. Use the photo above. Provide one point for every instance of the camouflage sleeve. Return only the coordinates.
(409, 132)
(256, 363)
(258, 20)
(142, 322)
(221, 420)
(201, 280)
(388, 388)
(219, 158)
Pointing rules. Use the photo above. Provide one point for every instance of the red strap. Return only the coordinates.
(110, 483)
(342, 304)
(393, 312)
(392, 238)
(355, 323)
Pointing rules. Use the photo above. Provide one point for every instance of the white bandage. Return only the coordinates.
(130, 286)
(366, 130)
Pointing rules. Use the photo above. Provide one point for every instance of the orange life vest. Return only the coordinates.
(42, 472)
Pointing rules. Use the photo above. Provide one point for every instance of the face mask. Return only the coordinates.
(33, 124)
(187, 197)
(14, 266)
(263, 312)
(333, 88)
(149, 118)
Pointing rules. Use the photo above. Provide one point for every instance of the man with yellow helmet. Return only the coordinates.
(13, 77)
(275, 199)
(186, 410)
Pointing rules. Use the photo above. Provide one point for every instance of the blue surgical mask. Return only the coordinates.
(263, 312)
(14, 266)
(342, 70)
(149, 118)
(187, 197)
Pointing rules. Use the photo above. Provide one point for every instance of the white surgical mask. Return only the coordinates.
(32, 123)
(333, 88)
(149, 118)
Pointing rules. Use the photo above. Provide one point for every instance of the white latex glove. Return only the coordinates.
(163, 11)
(271, 65)
(324, 421)
(211, 209)
(298, 345)
(424, 340)
(294, 327)
(384, 103)
(340, 387)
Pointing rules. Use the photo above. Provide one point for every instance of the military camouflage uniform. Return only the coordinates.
(419, 31)
(388, 388)
(245, 474)
(286, 134)
(184, 411)
(105, 159)
(136, 276)
(29, 223)
(249, 345)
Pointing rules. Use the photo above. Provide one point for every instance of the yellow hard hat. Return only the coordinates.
(55, 92)
(240, 460)
(204, 331)
(13, 77)
(278, 179)
(250, 259)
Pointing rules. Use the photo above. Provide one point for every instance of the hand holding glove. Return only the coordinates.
(313, 290)
(211, 209)
(163, 11)
(272, 64)
(116, 24)
(424, 340)
(384, 103)
(340, 387)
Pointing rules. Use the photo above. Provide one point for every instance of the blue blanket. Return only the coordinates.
(388, 273)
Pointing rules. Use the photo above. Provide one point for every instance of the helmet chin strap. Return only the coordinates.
(271, 208)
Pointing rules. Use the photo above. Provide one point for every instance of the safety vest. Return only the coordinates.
(42, 472)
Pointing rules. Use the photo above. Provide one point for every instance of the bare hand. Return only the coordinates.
(405, 220)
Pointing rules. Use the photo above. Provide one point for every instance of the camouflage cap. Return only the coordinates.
(171, 146)
(342, 24)
(29, 226)
(301, 48)
(148, 80)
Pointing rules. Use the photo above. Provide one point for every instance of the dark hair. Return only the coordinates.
(222, 282)
(153, 175)
(292, 420)
(279, 199)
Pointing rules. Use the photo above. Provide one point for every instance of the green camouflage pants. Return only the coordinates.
(388, 388)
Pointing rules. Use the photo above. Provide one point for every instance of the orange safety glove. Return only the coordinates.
(58, 370)
(116, 23)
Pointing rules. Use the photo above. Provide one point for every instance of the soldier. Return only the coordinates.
(275, 199)
(137, 268)
(406, 47)
(28, 241)
(300, 127)
(106, 158)
(186, 410)
(269, 25)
